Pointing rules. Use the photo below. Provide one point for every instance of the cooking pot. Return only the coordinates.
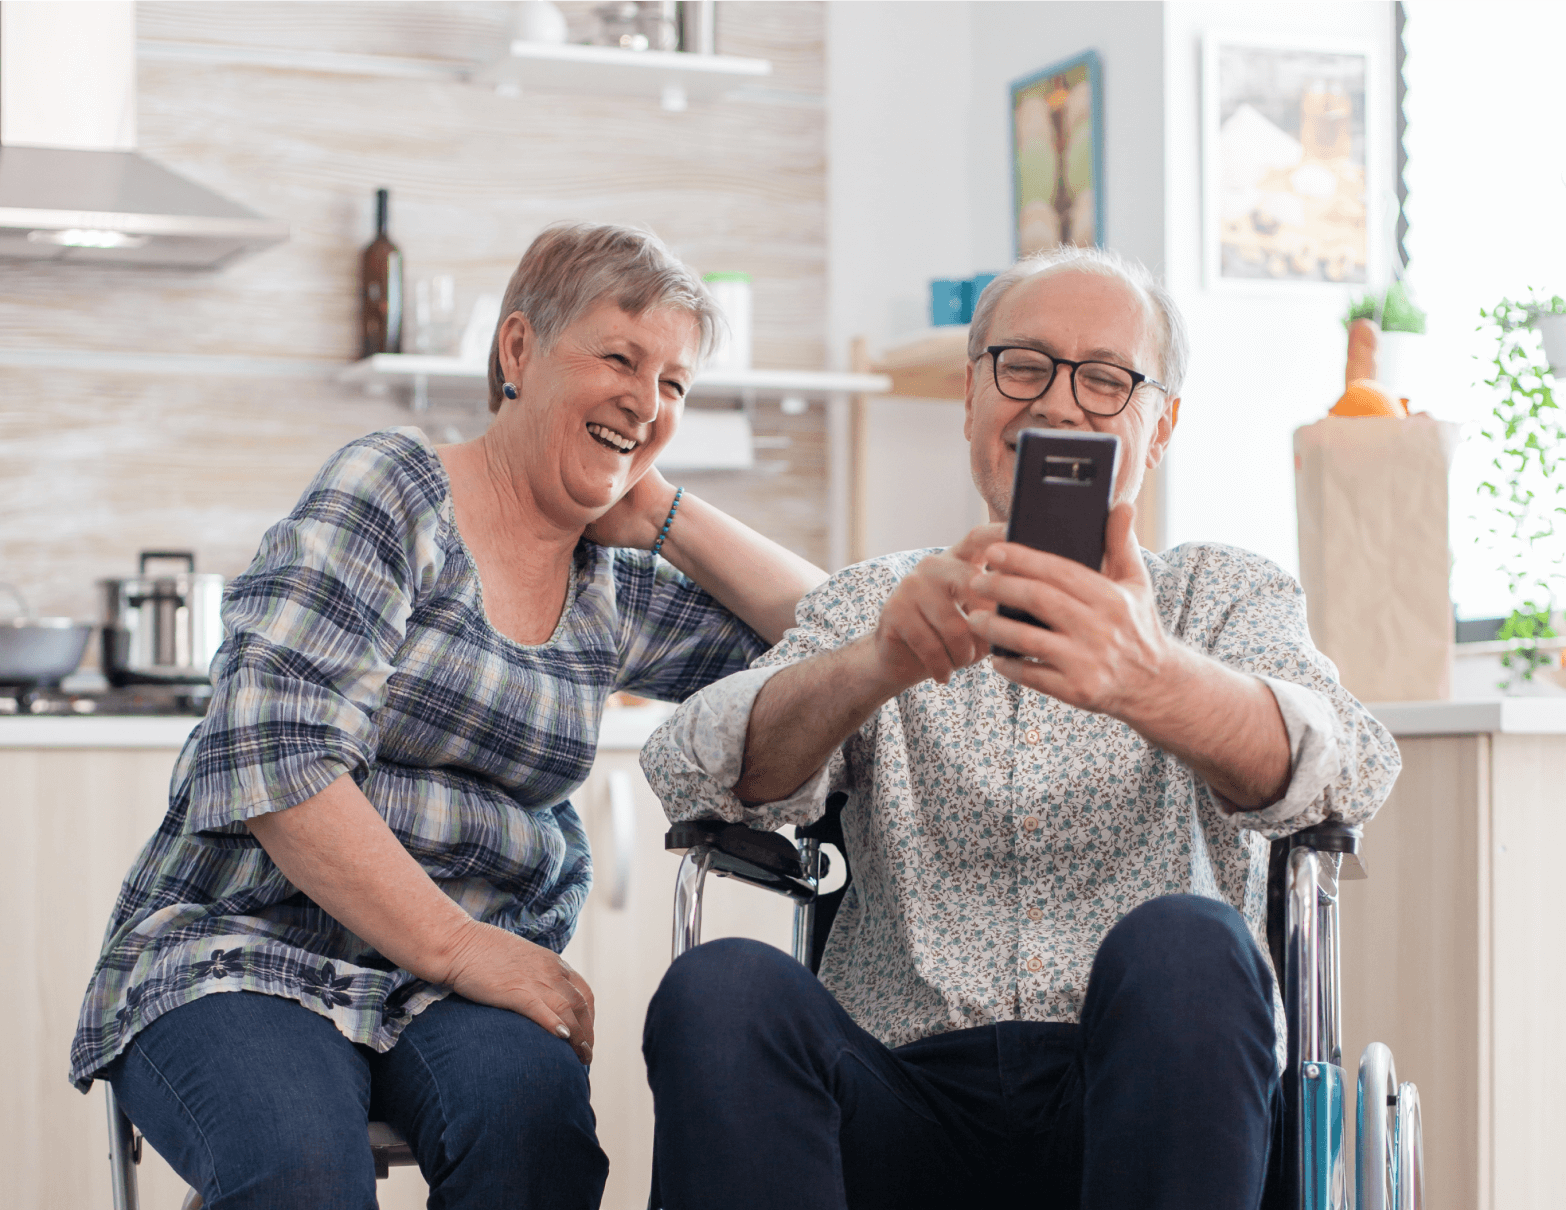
(162, 629)
(38, 651)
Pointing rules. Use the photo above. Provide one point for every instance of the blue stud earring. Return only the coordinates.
(509, 391)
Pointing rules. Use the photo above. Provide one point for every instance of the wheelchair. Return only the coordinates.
(1309, 1171)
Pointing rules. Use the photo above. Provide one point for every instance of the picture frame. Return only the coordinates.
(1057, 156)
(1291, 175)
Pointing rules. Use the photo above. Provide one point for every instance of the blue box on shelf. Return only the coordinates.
(946, 302)
(952, 300)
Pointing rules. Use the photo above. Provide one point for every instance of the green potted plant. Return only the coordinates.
(1400, 346)
(1528, 436)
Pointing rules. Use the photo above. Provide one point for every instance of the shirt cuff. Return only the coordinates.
(710, 729)
(1314, 758)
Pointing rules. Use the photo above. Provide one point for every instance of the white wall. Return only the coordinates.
(897, 186)
(899, 206)
(1011, 41)
(1262, 364)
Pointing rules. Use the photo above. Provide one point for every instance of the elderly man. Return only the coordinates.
(1047, 985)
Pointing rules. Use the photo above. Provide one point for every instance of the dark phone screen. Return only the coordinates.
(1060, 499)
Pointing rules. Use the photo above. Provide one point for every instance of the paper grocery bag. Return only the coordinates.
(1375, 563)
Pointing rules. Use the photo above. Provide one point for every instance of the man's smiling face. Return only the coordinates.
(1083, 317)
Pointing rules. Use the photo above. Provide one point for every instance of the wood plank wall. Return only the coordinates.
(97, 464)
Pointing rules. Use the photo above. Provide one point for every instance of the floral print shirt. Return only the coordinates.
(996, 834)
(357, 644)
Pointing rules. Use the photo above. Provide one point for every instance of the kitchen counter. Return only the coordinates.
(628, 728)
(1449, 946)
(623, 729)
(1501, 716)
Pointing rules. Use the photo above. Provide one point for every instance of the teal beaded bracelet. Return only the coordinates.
(668, 521)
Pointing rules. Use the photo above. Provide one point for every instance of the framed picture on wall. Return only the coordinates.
(1289, 181)
(1057, 156)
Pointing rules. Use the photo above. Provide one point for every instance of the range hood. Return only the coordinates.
(72, 186)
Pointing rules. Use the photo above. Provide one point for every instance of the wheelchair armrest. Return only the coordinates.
(1334, 836)
(764, 859)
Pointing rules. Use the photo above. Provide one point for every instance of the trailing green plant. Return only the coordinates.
(1528, 437)
(1394, 311)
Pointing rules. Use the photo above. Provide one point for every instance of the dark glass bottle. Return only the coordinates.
(381, 294)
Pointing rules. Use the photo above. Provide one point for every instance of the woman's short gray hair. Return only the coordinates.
(1174, 348)
(572, 267)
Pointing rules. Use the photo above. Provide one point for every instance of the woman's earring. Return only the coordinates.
(509, 391)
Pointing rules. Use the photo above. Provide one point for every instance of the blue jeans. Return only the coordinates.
(768, 1095)
(260, 1103)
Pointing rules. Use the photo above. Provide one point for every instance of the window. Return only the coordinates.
(1487, 218)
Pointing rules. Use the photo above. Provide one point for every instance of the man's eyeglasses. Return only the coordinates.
(1099, 387)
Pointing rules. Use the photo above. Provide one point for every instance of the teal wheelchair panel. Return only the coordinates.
(1321, 1137)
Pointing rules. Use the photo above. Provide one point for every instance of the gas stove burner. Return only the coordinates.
(133, 699)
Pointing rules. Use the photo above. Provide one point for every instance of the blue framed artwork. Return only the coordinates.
(1057, 156)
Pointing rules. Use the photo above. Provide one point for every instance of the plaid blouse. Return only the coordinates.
(358, 643)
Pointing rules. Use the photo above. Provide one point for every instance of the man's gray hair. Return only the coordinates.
(572, 267)
(1174, 348)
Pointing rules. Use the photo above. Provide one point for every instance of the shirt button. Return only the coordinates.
(1035, 965)
(1035, 913)
(1031, 735)
(1030, 824)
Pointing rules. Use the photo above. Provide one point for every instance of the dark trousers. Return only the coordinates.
(260, 1103)
(768, 1095)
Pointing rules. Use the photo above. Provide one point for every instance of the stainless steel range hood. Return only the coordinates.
(72, 186)
(120, 207)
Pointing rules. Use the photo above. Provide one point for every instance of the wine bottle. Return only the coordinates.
(381, 297)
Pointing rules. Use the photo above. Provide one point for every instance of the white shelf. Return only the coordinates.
(426, 378)
(675, 76)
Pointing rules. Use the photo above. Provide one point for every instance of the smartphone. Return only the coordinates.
(1060, 499)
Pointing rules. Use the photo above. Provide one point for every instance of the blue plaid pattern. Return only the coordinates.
(358, 644)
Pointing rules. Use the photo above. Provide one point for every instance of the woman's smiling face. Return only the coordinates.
(594, 411)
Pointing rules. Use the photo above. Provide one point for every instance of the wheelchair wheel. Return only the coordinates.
(1410, 1137)
(1375, 1142)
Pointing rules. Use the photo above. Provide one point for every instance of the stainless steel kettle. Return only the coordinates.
(162, 629)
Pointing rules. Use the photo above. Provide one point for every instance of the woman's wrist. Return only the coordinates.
(661, 541)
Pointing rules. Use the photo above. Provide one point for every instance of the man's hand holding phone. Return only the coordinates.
(924, 631)
(1104, 650)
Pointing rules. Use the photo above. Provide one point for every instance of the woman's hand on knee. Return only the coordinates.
(503, 970)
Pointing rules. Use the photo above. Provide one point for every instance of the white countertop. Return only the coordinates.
(623, 729)
(627, 729)
(1508, 715)
(95, 731)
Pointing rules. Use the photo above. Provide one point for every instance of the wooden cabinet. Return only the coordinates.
(74, 820)
(1451, 956)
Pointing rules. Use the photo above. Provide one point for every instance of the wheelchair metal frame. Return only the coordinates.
(1389, 1148)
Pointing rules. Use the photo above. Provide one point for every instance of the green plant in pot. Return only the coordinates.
(1401, 342)
(1527, 433)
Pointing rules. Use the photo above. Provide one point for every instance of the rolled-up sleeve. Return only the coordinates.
(694, 759)
(1342, 761)
(312, 629)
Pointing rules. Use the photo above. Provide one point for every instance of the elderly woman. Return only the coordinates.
(369, 843)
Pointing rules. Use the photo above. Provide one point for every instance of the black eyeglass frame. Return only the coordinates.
(1138, 379)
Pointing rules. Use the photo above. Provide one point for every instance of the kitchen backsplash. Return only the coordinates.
(97, 463)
